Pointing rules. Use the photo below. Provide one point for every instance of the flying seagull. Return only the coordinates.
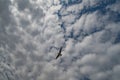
(59, 53)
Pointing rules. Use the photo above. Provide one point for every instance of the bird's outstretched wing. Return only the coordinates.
(57, 56)
(59, 53)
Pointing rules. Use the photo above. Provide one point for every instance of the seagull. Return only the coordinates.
(59, 53)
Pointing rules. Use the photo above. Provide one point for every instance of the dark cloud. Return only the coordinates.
(4, 13)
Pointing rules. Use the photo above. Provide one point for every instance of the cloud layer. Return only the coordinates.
(32, 31)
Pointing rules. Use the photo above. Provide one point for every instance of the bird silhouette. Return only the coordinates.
(59, 53)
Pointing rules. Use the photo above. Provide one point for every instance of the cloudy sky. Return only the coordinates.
(32, 31)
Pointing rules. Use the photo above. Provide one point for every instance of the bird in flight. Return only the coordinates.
(59, 53)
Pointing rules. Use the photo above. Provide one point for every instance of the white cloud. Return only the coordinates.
(115, 7)
(31, 35)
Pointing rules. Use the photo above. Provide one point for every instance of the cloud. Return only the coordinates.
(33, 31)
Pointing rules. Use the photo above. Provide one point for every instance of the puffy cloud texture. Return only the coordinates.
(32, 31)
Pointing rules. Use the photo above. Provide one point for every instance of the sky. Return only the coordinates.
(32, 32)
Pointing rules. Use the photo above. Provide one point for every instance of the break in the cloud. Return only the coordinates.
(32, 31)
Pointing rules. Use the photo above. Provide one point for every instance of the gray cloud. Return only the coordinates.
(33, 31)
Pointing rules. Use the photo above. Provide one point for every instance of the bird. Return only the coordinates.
(59, 53)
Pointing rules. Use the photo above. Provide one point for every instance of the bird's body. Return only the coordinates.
(59, 53)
